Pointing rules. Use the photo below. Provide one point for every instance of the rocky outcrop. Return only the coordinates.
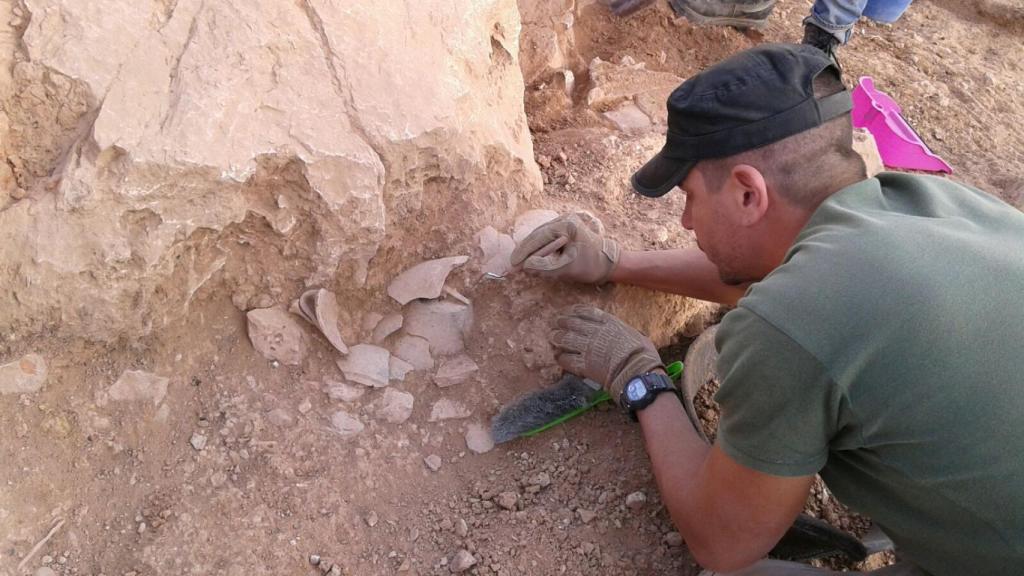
(263, 146)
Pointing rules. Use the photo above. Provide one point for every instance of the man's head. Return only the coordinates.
(757, 142)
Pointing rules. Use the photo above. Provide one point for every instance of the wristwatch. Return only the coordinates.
(641, 391)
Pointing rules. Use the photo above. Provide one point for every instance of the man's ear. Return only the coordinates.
(749, 194)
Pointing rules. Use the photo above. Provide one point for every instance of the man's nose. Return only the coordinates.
(686, 219)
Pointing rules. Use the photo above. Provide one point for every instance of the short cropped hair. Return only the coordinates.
(803, 168)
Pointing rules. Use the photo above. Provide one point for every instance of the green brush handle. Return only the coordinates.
(674, 370)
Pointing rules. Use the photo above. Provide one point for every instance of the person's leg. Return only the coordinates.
(886, 11)
(836, 17)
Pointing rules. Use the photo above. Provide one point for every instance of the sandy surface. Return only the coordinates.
(273, 484)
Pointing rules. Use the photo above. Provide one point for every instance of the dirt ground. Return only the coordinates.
(274, 485)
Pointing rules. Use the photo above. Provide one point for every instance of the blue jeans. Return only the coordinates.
(839, 16)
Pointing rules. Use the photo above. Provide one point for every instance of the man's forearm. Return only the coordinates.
(685, 271)
(677, 454)
(729, 516)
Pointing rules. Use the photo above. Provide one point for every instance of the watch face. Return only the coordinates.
(635, 390)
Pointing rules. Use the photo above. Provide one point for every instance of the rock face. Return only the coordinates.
(173, 130)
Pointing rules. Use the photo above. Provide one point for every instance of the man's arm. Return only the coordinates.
(588, 257)
(730, 515)
(684, 271)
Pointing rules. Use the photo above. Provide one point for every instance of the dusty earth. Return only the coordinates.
(237, 470)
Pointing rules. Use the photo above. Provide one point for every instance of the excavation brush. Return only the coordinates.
(546, 408)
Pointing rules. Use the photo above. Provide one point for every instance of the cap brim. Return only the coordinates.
(660, 175)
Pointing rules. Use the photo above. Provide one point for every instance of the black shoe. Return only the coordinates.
(738, 13)
(822, 40)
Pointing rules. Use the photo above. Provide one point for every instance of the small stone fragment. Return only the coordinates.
(387, 326)
(507, 500)
(395, 406)
(314, 559)
(370, 321)
(462, 561)
(542, 479)
(673, 539)
(344, 392)
(345, 424)
(368, 365)
(371, 519)
(612, 83)
(424, 280)
(335, 570)
(198, 441)
(398, 368)
(628, 117)
(415, 351)
(138, 386)
(447, 409)
(276, 335)
(455, 370)
(442, 323)
(586, 516)
(529, 221)
(461, 528)
(478, 439)
(23, 376)
(433, 462)
(305, 406)
(280, 417)
(636, 500)
(496, 249)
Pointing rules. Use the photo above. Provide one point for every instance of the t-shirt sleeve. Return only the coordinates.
(779, 407)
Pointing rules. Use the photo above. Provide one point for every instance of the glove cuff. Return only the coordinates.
(610, 250)
(640, 363)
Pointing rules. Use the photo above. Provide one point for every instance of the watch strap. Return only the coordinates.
(655, 383)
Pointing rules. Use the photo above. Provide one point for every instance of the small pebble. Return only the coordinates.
(462, 561)
(314, 559)
(673, 539)
(507, 500)
(371, 519)
(198, 441)
(636, 500)
(433, 462)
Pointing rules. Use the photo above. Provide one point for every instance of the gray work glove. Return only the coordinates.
(587, 256)
(597, 345)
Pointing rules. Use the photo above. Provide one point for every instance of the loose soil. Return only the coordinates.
(267, 492)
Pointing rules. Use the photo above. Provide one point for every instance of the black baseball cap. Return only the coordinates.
(759, 96)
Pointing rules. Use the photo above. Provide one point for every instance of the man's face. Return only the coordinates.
(709, 215)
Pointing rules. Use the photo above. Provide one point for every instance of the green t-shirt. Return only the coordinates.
(887, 354)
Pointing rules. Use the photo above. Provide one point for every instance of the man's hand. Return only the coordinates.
(587, 257)
(597, 345)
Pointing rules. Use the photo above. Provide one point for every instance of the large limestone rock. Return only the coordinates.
(259, 144)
